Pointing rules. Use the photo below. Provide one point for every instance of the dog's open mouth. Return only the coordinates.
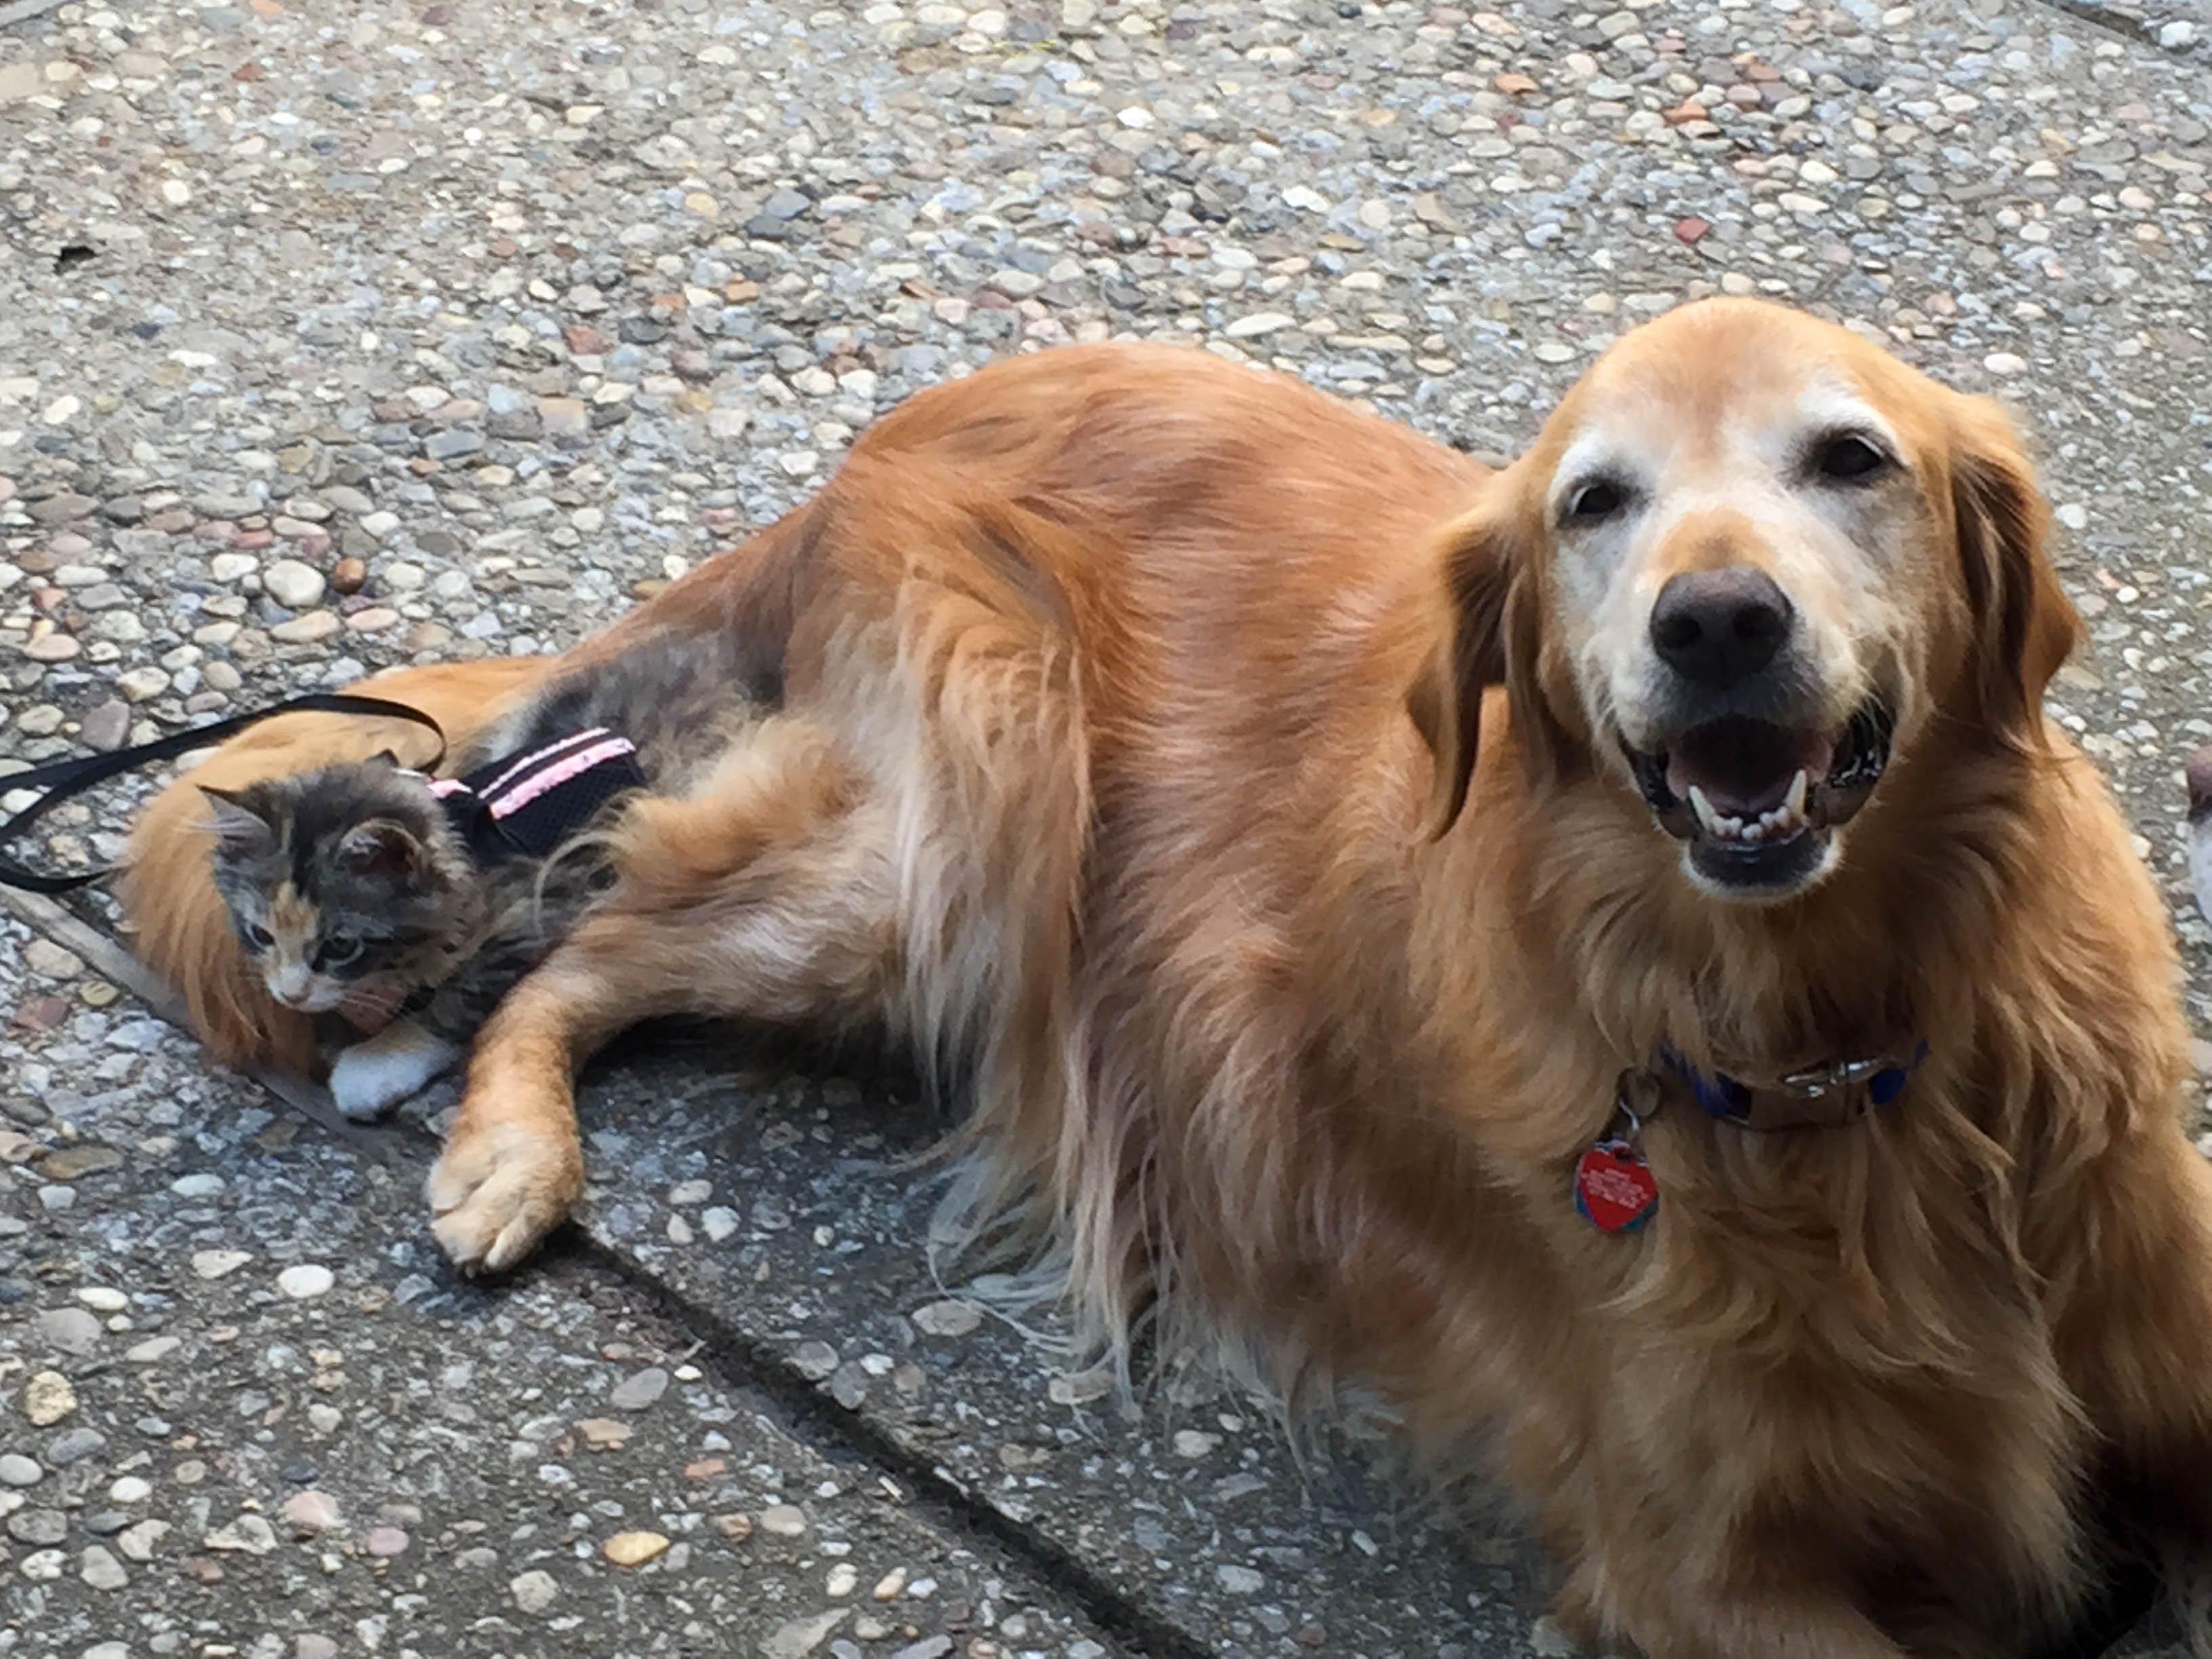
(1755, 800)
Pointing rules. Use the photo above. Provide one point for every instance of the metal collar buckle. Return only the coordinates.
(1815, 1081)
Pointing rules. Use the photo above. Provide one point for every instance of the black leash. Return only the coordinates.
(63, 779)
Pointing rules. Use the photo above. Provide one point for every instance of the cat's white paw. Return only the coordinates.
(369, 1078)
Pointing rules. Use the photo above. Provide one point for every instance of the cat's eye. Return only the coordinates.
(258, 937)
(337, 951)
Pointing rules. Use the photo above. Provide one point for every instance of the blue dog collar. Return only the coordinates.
(1818, 1097)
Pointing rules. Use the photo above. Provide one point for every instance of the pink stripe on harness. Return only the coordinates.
(553, 776)
(536, 757)
(530, 803)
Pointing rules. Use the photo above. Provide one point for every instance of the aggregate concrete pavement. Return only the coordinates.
(331, 340)
(250, 1412)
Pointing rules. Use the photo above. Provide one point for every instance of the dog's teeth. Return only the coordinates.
(1708, 820)
(1753, 833)
(1794, 802)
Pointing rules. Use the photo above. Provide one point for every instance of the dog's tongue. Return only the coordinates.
(1746, 766)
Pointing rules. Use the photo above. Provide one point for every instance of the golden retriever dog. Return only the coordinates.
(1607, 952)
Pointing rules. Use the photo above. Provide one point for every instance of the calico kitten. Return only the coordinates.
(359, 898)
(362, 896)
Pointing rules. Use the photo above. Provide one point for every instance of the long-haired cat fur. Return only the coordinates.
(358, 898)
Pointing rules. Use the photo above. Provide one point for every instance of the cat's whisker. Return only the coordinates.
(362, 894)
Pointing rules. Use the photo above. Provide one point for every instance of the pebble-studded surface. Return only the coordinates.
(247, 1412)
(331, 339)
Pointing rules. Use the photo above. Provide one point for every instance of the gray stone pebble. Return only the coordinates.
(17, 1470)
(305, 1281)
(639, 1390)
(948, 1319)
(101, 1570)
(293, 585)
(38, 1527)
(534, 1591)
(74, 1446)
(72, 1330)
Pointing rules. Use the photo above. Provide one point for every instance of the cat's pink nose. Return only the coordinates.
(292, 986)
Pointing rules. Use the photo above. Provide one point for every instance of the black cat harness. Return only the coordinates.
(529, 803)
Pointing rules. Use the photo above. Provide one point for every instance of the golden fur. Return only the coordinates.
(1214, 778)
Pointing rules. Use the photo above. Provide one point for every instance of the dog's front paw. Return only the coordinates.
(497, 1190)
(369, 1078)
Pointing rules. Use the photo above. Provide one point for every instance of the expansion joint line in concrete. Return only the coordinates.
(743, 1363)
(2139, 30)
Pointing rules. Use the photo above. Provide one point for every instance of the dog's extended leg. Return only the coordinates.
(766, 894)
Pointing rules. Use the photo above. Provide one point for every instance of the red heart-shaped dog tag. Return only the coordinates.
(1613, 1187)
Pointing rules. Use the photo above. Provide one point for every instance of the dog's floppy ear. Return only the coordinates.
(2021, 626)
(1489, 634)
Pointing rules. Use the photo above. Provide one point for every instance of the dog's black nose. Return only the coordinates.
(1717, 627)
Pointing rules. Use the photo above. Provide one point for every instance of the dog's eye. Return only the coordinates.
(1599, 498)
(1848, 458)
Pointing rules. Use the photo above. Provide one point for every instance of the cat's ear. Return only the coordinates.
(236, 823)
(381, 847)
(384, 758)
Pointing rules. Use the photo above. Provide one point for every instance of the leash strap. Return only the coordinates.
(63, 779)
